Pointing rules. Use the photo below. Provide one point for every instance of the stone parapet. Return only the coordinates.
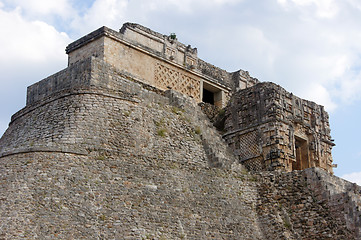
(220, 75)
(103, 31)
(75, 76)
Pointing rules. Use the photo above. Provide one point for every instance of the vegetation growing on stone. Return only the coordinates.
(162, 132)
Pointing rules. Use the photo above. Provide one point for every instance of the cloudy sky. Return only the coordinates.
(310, 47)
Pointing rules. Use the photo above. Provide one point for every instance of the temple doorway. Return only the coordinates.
(212, 95)
(302, 158)
(208, 96)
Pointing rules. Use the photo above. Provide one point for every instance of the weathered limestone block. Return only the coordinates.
(270, 128)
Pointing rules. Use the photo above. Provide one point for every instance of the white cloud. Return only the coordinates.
(349, 89)
(354, 177)
(31, 50)
(246, 44)
(320, 8)
(40, 7)
(355, 4)
(225, 1)
(29, 41)
(319, 94)
(140, 8)
(110, 13)
(312, 49)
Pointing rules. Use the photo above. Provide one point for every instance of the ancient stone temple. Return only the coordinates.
(267, 127)
(118, 146)
(160, 61)
(270, 128)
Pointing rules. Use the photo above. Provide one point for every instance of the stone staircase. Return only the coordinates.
(342, 196)
(217, 150)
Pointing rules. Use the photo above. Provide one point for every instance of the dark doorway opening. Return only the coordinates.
(301, 148)
(208, 96)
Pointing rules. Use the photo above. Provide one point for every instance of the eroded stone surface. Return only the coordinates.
(100, 154)
(270, 128)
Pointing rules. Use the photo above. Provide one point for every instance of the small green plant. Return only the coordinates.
(100, 157)
(186, 119)
(163, 238)
(173, 165)
(162, 132)
(244, 171)
(287, 224)
(160, 123)
(173, 36)
(222, 112)
(177, 110)
(102, 217)
(252, 178)
(198, 130)
(127, 113)
(29, 161)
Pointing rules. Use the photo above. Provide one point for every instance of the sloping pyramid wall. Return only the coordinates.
(111, 158)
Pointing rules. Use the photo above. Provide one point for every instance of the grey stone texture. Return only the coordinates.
(98, 153)
(270, 128)
(308, 204)
(134, 167)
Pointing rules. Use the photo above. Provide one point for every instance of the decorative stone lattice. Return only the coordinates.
(250, 145)
(167, 77)
(255, 164)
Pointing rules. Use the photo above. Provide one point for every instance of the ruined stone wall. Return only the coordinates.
(93, 162)
(74, 76)
(216, 73)
(308, 204)
(143, 37)
(141, 59)
(131, 60)
(343, 197)
(242, 80)
(92, 49)
(263, 123)
(168, 46)
(61, 119)
(55, 105)
(116, 158)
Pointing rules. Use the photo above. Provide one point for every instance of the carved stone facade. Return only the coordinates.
(270, 128)
(168, 77)
(97, 153)
(267, 127)
(160, 61)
